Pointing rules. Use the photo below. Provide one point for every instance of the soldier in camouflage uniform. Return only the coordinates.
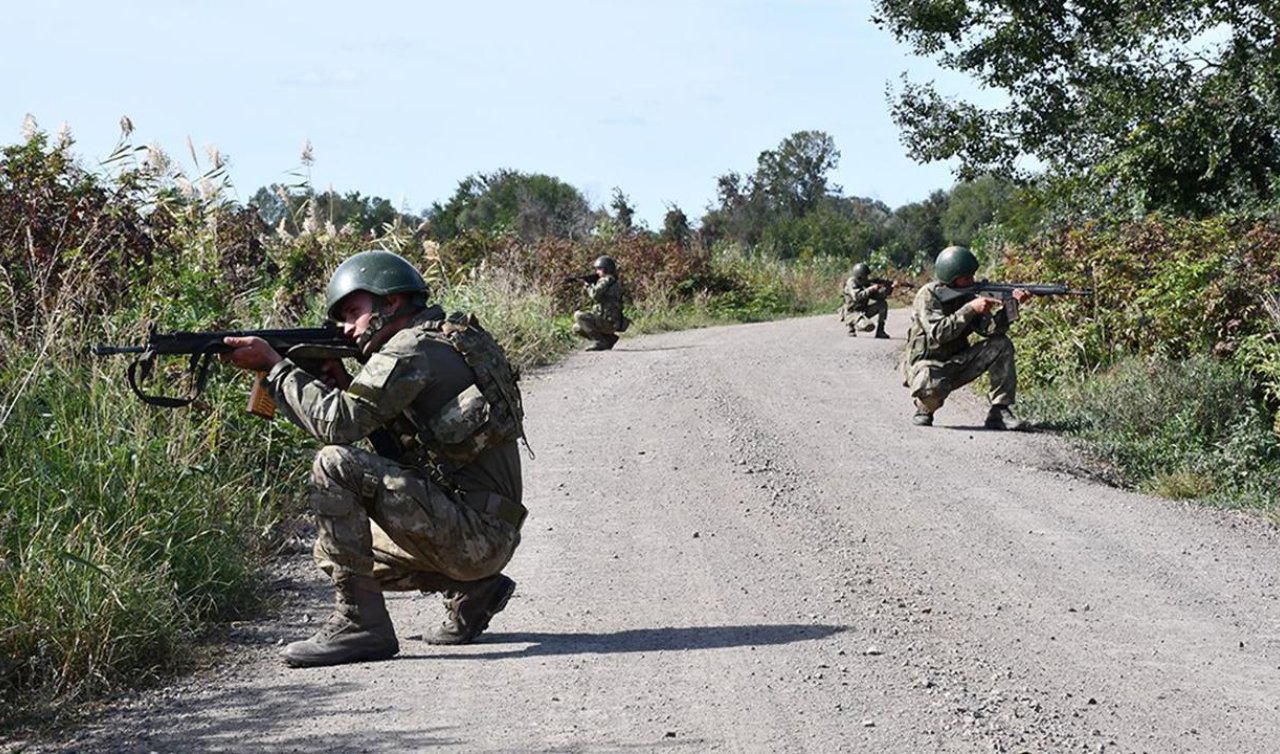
(606, 320)
(940, 357)
(438, 508)
(865, 303)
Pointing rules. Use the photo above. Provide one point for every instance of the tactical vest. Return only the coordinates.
(486, 414)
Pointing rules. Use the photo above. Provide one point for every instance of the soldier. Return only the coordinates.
(439, 508)
(940, 357)
(606, 320)
(865, 303)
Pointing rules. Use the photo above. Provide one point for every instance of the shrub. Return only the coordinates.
(1188, 427)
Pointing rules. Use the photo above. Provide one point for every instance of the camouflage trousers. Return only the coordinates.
(592, 326)
(868, 318)
(378, 518)
(932, 382)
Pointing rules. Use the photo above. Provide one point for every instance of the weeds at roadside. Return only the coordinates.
(1188, 429)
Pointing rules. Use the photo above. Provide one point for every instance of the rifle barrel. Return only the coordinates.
(104, 350)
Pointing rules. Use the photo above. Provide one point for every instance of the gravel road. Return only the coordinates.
(738, 542)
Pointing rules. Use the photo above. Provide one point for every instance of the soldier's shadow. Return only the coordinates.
(636, 640)
(981, 428)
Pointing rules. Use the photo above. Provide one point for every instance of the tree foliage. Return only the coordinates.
(1169, 104)
(788, 183)
(369, 216)
(530, 205)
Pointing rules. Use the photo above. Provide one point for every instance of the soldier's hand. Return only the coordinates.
(982, 304)
(334, 374)
(1021, 295)
(251, 353)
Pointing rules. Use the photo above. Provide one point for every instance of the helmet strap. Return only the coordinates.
(385, 314)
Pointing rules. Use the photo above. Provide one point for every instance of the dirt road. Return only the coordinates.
(739, 543)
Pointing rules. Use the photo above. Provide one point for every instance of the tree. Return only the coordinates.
(1168, 104)
(623, 212)
(531, 205)
(917, 230)
(793, 177)
(789, 182)
(973, 204)
(369, 216)
(675, 227)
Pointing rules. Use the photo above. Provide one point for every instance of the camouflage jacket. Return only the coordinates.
(607, 293)
(858, 295)
(940, 327)
(406, 386)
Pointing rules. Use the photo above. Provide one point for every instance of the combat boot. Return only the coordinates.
(1001, 417)
(880, 333)
(922, 419)
(469, 611)
(358, 630)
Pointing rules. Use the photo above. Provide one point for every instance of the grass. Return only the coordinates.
(1190, 429)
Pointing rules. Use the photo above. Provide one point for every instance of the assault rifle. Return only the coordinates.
(587, 277)
(889, 285)
(1004, 291)
(303, 344)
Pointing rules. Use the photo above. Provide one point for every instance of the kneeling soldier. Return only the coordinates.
(865, 303)
(940, 357)
(437, 508)
(606, 320)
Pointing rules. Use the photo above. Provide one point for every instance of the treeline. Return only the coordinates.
(786, 208)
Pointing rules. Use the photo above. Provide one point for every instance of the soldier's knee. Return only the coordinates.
(1002, 344)
(336, 464)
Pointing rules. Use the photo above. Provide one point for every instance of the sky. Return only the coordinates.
(405, 99)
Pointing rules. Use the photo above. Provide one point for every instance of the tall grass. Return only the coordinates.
(1181, 429)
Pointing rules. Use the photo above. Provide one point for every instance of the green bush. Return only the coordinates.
(1187, 428)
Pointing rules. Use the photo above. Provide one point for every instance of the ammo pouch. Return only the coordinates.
(460, 418)
(486, 414)
(493, 504)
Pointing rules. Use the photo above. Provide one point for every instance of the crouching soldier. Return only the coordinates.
(603, 323)
(940, 357)
(438, 507)
(865, 302)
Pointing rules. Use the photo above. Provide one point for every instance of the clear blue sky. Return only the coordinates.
(404, 99)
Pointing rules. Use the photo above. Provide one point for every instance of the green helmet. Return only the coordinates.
(861, 272)
(377, 272)
(954, 262)
(607, 264)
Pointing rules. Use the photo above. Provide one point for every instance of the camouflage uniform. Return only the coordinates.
(941, 359)
(606, 319)
(421, 522)
(865, 308)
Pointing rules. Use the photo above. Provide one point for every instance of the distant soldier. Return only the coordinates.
(606, 320)
(940, 357)
(865, 302)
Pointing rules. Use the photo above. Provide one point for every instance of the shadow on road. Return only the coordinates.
(273, 719)
(1028, 430)
(638, 640)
